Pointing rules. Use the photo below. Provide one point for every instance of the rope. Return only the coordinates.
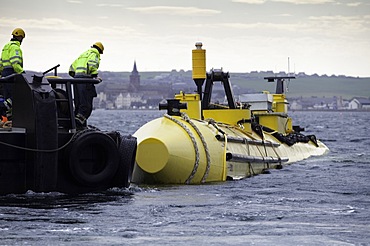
(40, 150)
(263, 157)
(273, 148)
(196, 163)
(250, 164)
(213, 123)
(264, 146)
(225, 151)
(205, 146)
(6, 124)
(277, 155)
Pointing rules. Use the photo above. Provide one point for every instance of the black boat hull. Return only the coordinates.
(44, 152)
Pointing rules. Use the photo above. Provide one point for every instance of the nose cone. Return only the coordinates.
(152, 155)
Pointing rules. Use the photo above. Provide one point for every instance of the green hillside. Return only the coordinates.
(304, 85)
(308, 86)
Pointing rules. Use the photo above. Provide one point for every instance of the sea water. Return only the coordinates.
(319, 201)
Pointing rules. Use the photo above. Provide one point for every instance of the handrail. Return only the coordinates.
(73, 81)
(7, 78)
(53, 68)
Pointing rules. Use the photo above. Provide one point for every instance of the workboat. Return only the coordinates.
(200, 141)
(43, 151)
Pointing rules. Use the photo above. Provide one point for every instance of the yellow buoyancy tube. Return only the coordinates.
(178, 150)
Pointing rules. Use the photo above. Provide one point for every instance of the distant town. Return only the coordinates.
(131, 91)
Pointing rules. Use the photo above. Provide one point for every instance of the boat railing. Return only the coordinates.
(64, 95)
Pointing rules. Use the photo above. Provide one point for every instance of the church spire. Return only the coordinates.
(134, 70)
(134, 79)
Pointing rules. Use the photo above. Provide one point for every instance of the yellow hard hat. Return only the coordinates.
(100, 46)
(19, 32)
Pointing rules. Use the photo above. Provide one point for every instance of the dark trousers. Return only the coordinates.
(83, 99)
(6, 90)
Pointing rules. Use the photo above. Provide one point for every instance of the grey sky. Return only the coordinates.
(318, 36)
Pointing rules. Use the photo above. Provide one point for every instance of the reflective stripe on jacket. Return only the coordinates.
(11, 57)
(86, 64)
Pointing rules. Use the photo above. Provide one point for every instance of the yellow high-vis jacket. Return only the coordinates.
(11, 57)
(86, 64)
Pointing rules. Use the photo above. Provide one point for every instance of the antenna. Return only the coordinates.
(287, 86)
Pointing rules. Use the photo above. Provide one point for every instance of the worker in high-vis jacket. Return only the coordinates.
(12, 59)
(85, 66)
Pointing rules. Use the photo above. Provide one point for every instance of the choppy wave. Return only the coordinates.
(319, 201)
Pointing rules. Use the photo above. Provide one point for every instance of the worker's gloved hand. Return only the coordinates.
(100, 79)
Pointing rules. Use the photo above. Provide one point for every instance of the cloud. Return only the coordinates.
(330, 28)
(262, 26)
(109, 5)
(43, 23)
(341, 24)
(304, 1)
(63, 31)
(172, 10)
(284, 1)
(356, 4)
(285, 15)
(250, 1)
(74, 1)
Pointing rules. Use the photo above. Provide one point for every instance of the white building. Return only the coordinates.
(359, 103)
(124, 101)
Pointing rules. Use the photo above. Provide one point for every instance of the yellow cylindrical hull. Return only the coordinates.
(172, 150)
(175, 154)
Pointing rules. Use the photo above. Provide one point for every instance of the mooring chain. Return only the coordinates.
(191, 135)
(205, 146)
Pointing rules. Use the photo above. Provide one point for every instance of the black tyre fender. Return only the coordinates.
(127, 155)
(90, 150)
